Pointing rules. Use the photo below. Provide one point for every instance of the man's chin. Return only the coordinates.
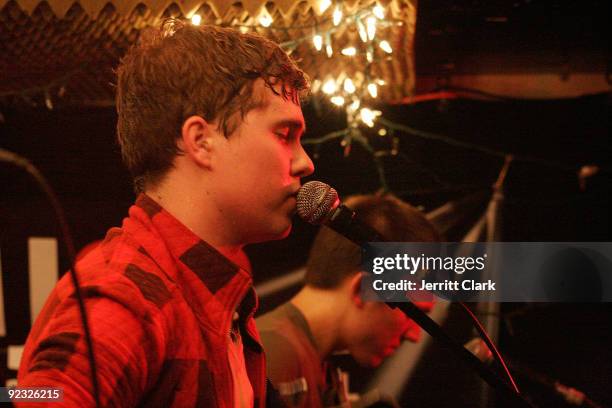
(279, 233)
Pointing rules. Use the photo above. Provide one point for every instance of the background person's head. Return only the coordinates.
(370, 331)
(180, 70)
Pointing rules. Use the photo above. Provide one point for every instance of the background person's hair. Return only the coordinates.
(333, 258)
(179, 70)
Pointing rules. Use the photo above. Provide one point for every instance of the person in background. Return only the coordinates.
(209, 125)
(329, 315)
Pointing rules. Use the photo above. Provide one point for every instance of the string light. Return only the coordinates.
(369, 56)
(196, 19)
(385, 46)
(329, 87)
(318, 42)
(373, 90)
(337, 15)
(265, 19)
(363, 34)
(368, 116)
(337, 100)
(379, 12)
(371, 27)
(349, 86)
(349, 51)
(382, 132)
(354, 105)
(324, 5)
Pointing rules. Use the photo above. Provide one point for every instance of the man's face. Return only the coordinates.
(376, 332)
(258, 170)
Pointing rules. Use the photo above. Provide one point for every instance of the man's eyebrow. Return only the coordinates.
(294, 124)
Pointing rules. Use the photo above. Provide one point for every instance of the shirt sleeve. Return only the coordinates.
(128, 345)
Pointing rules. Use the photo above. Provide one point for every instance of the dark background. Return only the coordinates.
(76, 150)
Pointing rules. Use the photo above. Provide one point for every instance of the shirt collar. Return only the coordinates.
(211, 284)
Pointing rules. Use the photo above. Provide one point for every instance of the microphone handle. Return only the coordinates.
(345, 222)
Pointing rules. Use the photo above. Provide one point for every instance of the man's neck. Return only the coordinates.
(323, 310)
(187, 206)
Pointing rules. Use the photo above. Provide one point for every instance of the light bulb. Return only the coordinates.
(349, 51)
(324, 5)
(371, 27)
(317, 41)
(373, 90)
(367, 116)
(385, 46)
(379, 12)
(329, 87)
(196, 19)
(349, 86)
(265, 19)
(337, 100)
(337, 15)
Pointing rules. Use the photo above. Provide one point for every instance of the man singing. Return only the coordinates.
(209, 124)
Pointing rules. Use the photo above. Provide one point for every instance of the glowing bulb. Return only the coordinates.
(371, 27)
(367, 116)
(337, 15)
(382, 132)
(196, 19)
(363, 34)
(369, 56)
(349, 86)
(329, 50)
(329, 87)
(324, 5)
(265, 19)
(373, 90)
(349, 51)
(337, 100)
(318, 42)
(316, 85)
(380, 81)
(385, 46)
(379, 12)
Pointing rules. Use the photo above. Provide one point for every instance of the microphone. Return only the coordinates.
(318, 204)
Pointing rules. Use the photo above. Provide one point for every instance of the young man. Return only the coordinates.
(209, 123)
(329, 315)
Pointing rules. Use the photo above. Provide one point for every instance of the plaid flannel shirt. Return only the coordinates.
(160, 303)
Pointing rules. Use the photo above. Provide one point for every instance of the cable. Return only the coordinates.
(490, 344)
(21, 162)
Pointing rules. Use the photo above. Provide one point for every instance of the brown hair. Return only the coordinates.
(333, 258)
(180, 70)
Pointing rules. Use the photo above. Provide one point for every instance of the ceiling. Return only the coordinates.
(64, 52)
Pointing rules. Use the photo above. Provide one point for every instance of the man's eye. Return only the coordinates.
(284, 134)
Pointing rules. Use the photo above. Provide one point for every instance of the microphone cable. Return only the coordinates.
(492, 348)
(25, 164)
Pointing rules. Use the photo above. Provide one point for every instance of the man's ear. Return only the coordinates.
(197, 140)
(354, 288)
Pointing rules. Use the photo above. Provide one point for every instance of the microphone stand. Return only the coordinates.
(435, 331)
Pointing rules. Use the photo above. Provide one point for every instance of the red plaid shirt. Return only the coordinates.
(160, 303)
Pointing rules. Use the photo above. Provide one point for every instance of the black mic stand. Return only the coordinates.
(345, 221)
(435, 331)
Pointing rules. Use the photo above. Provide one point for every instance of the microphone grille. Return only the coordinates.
(315, 200)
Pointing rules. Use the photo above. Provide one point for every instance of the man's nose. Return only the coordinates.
(302, 165)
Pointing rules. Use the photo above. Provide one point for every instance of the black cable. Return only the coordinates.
(21, 162)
